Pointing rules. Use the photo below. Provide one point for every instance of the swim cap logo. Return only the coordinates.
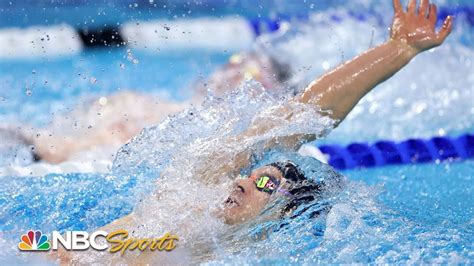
(34, 241)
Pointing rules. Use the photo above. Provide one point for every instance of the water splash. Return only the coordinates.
(176, 174)
(219, 131)
(432, 95)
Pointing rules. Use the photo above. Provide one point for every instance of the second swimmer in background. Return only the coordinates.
(95, 129)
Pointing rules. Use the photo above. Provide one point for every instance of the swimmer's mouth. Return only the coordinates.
(230, 202)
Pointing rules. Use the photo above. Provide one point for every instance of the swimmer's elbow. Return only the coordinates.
(336, 109)
(335, 114)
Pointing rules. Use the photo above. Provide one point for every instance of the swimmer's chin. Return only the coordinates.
(225, 213)
(222, 213)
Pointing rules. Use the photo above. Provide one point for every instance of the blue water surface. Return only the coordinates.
(434, 201)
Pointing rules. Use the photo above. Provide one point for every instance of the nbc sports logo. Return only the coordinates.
(34, 241)
(117, 241)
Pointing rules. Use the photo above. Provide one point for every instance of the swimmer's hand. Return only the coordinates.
(412, 32)
(417, 28)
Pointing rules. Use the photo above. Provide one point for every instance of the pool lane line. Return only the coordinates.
(352, 156)
(228, 33)
(111, 36)
(410, 151)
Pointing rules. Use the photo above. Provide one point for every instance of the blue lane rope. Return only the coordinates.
(405, 152)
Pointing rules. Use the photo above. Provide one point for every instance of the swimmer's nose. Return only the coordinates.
(244, 186)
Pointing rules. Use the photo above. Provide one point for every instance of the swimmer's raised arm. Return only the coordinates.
(412, 32)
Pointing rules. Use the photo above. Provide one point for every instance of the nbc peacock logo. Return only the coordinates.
(34, 241)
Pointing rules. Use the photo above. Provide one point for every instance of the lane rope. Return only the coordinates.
(387, 152)
(230, 33)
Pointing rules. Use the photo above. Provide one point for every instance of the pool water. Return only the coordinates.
(38, 88)
(395, 214)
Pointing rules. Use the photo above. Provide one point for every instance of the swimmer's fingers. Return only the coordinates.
(423, 9)
(411, 6)
(397, 6)
(446, 29)
(433, 14)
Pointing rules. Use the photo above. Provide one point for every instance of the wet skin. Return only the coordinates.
(413, 31)
(245, 200)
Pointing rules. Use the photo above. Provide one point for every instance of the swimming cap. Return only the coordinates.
(302, 190)
(289, 170)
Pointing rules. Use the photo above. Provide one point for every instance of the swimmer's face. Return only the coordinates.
(246, 201)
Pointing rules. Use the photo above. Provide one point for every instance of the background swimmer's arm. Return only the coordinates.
(412, 32)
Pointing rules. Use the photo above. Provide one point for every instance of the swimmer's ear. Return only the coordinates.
(446, 29)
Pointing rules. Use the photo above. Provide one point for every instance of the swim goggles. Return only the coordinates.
(268, 184)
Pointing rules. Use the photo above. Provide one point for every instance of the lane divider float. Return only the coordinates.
(354, 155)
(410, 151)
(230, 33)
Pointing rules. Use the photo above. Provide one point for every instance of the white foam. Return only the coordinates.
(229, 33)
(312, 151)
(38, 41)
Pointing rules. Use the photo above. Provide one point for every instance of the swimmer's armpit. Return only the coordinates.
(412, 32)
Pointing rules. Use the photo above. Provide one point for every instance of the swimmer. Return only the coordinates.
(98, 127)
(256, 65)
(252, 193)
(101, 126)
(336, 93)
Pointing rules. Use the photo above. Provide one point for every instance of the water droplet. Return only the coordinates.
(325, 65)
(103, 101)
(33, 72)
(399, 102)
(122, 66)
(93, 80)
(28, 91)
(129, 55)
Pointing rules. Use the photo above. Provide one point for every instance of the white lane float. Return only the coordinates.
(228, 33)
(37, 41)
